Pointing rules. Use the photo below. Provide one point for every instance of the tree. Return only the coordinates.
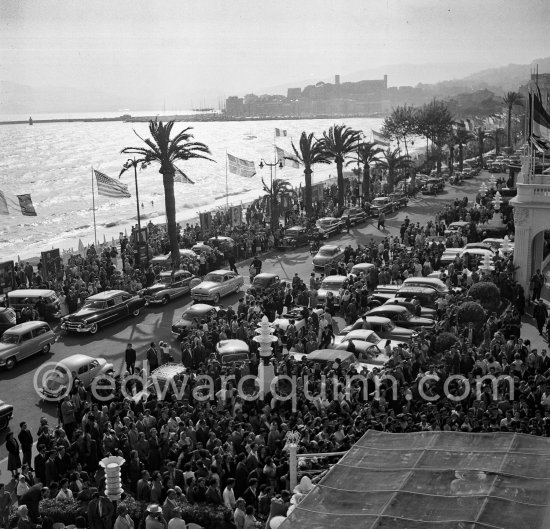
(445, 341)
(434, 121)
(486, 293)
(366, 154)
(338, 144)
(400, 125)
(471, 312)
(511, 99)
(310, 151)
(498, 134)
(462, 137)
(394, 163)
(166, 151)
(272, 198)
(480, 136)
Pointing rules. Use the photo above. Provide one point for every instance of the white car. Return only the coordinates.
(216, 285)
(430, 282)
(83, 367)
(294, 314)
(368, 345)
(332, 284)
(455, 227)
(328, 254)
(230, 352)
(361, 268)
(328, 226)
(383, 327)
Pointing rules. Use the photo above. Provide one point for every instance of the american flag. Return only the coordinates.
(109, 187)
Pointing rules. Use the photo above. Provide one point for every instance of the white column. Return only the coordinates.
(292, 441)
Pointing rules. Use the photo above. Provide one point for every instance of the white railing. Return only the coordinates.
(533, 193)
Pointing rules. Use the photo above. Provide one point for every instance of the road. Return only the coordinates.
(17, 388)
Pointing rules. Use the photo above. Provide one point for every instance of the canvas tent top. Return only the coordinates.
(433, 480)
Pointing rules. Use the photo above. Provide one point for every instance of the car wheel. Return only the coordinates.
(217, 298)
(10, 363)
(136, 312)
(165, 300)
(93, 328)
(46, 349)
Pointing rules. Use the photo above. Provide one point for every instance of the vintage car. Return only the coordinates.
(24, 340)
(165, 261)
(161, 382)
(169, 286)
(202, 248)
(361, 268)
(332, 284)
(383, 327)
(195, 313)
(6, 414)
(455, 227)
(328, 254)
(401, 316)
(8, 318)
(102, 309)
(231, 352)
(222, 243)
(265, 283)
(329, 226)
(18, 299)
(355, 215)
(83, 367)
(293, 238)
(428, 282)
(400, 200)
(216, 285)
(368, 345)
(296, 314)
(412, 303)
(382, 205)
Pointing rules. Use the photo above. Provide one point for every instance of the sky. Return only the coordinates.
(217, 48)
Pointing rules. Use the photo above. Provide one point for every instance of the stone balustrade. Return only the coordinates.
(532, 193)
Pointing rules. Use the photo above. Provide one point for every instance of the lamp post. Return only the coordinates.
(492, 181)
(497, 201)
(482, 191)
(505, 248)
(271, 166)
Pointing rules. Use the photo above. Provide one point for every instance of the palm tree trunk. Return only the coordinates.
(170, 205)
(308, 202)
(366, 182)
(451, 160)
(340, 172)
(480, 145)
(460, 157)
(509, 126)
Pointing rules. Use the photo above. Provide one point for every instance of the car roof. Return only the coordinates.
(76, 360)
(328, 218)
(108, 294)
(458, 223)
(295, 228)
(267, 275)
(405, 289)
(233, 343)
(359, 334)
(377, 319)
(28, 292)
(27, 326)
(391, 308)
(220, 272)
(329, 355)
(364, 265)
(168, 370)
(339, 279)
(329, 247)
(381, 198)
(201, 307)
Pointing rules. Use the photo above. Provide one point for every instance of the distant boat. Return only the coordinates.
(249, 136)
(203, 109)
(30, 121)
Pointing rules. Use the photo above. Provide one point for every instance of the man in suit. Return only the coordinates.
(100, 512)
(170, 505)
(51, 468)
(143, 490)
(32, 499)
(250, 495)
(40, 463)
(25, 440)
(175, 475)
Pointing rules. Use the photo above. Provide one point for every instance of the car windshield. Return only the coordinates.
(378, 201)
(166, 277)
(405, 315)
(327, 251)
(214, 278)
(324, 223)
(374, 338)
(93, 304)
(262, 281)
(390, 326)
(10, 338)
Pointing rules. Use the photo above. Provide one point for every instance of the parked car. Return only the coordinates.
(400, 200)
(24, 340)
(224, 244)
(83, 367)
(383, 327)
(195, 313)
(400, 316)
(298, 315)
(18, 299)
(6, 414)
(412, 303)
(293, 238)
(8, 318)
(169, 286)
(329, 226)
(202, 248)
(355, 215)
(368, 345)
(455, 227)
(165, 261)
(232, 352)
(428, 282)
(216, 285)
(332, 284)
(102, 309)
(360, 268)
(382, 205)
(328, 254)
(265, 283)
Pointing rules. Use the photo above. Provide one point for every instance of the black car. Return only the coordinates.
(101, 309)
(6, 413)
(355, 215)
(8, 319)
(266, 283)
(293, 238)
(195, 314)
(400, 200)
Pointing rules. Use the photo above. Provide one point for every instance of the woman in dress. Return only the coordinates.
(14, 459)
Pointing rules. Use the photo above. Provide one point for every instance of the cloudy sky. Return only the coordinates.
(229, 47)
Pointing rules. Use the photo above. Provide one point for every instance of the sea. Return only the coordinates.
(53, 163)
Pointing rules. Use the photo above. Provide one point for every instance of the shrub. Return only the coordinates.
(487, 294)
(63, 511)
(471, 312)
(444, 341)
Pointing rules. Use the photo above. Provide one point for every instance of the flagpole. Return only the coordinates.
(226, 185)
(93, 207)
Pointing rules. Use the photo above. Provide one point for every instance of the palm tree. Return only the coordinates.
(271, 199)
(366, 154)
(393, 163)
(165, 151)
(498, 135)
(462, 137)
(480, 135)
(511, 99)
(310, 151)
(339, 143)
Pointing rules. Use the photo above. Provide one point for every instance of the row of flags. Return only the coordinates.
(18, 204)
(539, 123)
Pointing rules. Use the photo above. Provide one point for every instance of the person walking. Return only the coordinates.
(152, 357)
(537, 282)
(130, 358)
(26, 440)
(257, 263)
(14, 459)
(381, 220)
(540, 313)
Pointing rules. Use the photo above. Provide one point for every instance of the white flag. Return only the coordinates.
(241, 167)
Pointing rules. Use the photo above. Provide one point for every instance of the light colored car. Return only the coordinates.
(223, 244)
(170, 285)
(216, 285)
(24, 340)
(401, 316)
(329, 226)
(197, 312)
(83, 367)
(368, 346)
(328, 254)
(361, 268)
(231, 352)
(496, 244)
(332, 284)
(294, 314)
(383, 327)
(455, 227)
(201, 247)
(429, 282)
(347, 360)
(382, 205)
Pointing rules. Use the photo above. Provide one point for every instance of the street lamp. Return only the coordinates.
(497, 201)
(271, 166)
(483, 189)
(492, 181)
(505, 248)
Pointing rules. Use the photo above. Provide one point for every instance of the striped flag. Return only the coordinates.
(19, 204)
(380, 138)
(182, 178)
(3, 204)
(287, 158)
(540, 118)
(109, 187)
(280, 132)
(240, 167)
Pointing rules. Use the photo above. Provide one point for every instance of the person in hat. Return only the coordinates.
(177, 522)
(123, 520)
(155, 519)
